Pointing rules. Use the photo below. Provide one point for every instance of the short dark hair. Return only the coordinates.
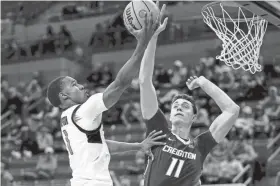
(188, 98)
(54, 88)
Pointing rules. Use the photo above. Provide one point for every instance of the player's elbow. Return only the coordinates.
(122, 84)
(234, 109)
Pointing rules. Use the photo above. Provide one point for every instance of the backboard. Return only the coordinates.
(269, 10)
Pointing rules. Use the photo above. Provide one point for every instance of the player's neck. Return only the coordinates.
(182, 132)
(67, 105)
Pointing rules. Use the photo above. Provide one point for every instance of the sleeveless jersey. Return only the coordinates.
(88, 152)
(179, 162)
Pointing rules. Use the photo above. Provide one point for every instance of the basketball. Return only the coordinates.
(134, 13)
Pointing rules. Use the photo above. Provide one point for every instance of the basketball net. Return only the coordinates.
(241, 47)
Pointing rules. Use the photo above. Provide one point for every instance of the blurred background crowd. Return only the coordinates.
(32, 150)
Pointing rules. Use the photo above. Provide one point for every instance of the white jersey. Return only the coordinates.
(88, 152)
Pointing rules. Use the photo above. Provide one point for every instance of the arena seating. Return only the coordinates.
(23, 10)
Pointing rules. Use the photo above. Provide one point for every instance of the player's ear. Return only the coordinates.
(63, 96)
(194, 118)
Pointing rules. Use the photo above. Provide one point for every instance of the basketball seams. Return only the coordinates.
(146, 5)
(136, 14)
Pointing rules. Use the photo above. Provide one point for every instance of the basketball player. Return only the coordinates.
(81, 127)
(180, 161)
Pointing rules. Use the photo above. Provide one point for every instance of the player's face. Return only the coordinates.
(74, 91)
(182, 112)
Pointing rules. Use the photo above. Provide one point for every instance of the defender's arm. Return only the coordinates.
(230, 110)
(148, 95)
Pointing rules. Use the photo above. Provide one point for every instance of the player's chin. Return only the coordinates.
(178, 119)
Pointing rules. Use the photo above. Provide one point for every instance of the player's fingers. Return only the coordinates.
(158, 143)
(157, 3)
(162, 12)
(159, 137)
(156, 134)
(151, 133)
(150, 20)
(165, 22)
(130, 29)
(156, 23)
(153, 21)
(146, 21)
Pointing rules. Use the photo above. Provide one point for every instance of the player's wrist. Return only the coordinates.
(201, 81)
(141, 46)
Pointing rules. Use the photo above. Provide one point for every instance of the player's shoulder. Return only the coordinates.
(69, 111)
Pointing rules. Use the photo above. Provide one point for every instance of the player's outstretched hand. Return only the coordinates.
(145, 34)
(193, 82)
(161, 26)
(152, 140)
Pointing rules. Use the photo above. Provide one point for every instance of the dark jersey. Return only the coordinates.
(179, 162)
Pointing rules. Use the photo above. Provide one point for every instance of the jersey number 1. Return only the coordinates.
(67, 142)
(172, 167)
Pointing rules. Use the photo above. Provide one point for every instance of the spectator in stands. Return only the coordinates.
(162, 77)
(46, 166)
(94, 78)
(113, 115)
(34, 93)
(226, 79)
(244, 151)
(49, 40)
(261, 123)
(244, 124)
(165, 101)
(244, 84)
(132, 114)
(106, 75)
(14, 102)
(7, 178)
(138, 166)
(44, 139)
(98, 37)
(257, 89)
(179, 73)
(202, 117)
(65, 38)
(50, 111)
(27, 142)
(14, 50)
(211, 169)
(271, 104)
(230, 168)
(4, 101)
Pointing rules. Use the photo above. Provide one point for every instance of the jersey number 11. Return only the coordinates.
(172, 167)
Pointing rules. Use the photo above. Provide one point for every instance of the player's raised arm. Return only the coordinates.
(149, 103)
(230, 110)
(129, 71)
(103, 101)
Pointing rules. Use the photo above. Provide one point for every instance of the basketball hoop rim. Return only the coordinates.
(230, 4)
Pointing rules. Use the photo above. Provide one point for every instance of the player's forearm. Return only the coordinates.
(220, 97)
(148, 101)
(119, 147)
(131, 67)
(148, 62)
